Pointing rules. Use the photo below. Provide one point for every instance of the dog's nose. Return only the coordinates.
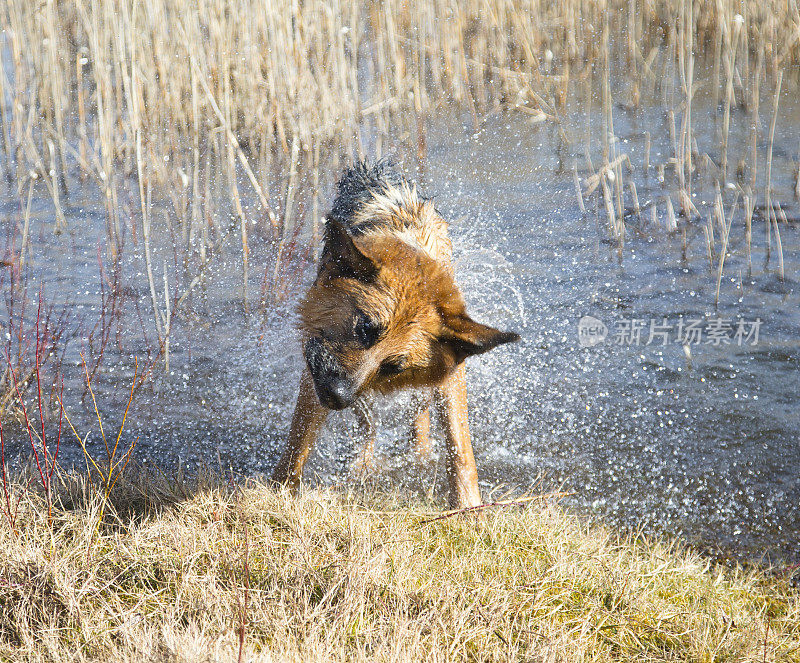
(336, 394)
(334, 389)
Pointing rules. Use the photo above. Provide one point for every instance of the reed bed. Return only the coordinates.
(156, 89)
(216, 572)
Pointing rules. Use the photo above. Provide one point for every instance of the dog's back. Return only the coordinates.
(376, 199)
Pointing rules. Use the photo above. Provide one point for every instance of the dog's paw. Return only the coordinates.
(363, 465)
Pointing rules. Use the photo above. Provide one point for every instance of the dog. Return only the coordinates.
(383, 314)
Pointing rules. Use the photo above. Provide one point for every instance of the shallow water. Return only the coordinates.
(644, 436)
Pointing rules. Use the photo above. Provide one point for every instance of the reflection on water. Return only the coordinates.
(704, 447)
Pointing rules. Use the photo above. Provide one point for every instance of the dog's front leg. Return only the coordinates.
(421, 427)
(365, 423)
(451, 403)
(309, 416)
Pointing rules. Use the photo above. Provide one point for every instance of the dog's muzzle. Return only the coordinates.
(334, 388)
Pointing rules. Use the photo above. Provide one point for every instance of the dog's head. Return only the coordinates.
(383, 315)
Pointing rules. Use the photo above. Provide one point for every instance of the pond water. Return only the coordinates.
(701, 444)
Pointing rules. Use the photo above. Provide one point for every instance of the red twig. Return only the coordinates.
(27, 419)
(45, 461)
(11, 514)
(60, 427)
(37, 373)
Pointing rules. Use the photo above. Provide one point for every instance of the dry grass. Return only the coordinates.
(189, 575)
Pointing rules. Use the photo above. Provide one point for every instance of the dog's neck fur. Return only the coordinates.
(379, 201)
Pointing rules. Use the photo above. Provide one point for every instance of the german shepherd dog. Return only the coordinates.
(383, 314)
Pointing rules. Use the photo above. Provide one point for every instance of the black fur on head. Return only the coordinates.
(359, 183)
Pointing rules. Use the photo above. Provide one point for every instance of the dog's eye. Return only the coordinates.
(367, 331)
(393, 366)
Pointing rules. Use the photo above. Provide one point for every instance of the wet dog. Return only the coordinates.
(383, 314)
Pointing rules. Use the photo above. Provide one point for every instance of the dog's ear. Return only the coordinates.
(465, 337)
(347, 257)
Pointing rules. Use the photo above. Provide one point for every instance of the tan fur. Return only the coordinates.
(409, 218)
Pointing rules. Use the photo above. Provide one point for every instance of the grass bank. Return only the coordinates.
(216, 573)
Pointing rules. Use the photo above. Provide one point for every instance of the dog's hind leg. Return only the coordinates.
(462, 476)
(365, 423)
(421, 427)
(309, 416)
